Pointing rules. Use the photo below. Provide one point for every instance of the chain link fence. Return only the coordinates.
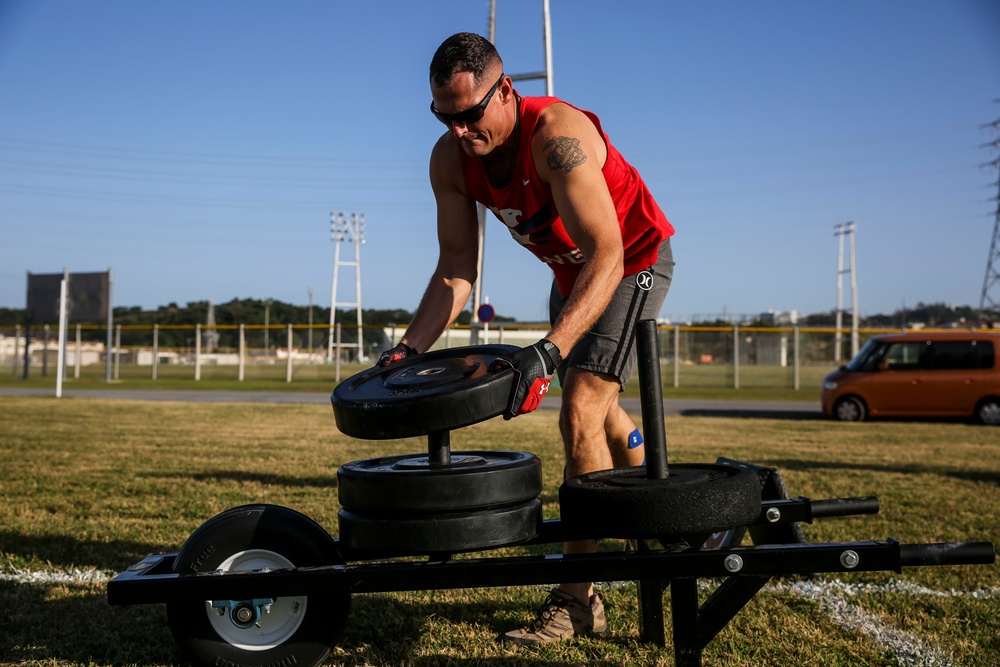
(692, 356)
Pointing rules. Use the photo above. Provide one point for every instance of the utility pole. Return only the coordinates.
(546, 74)
(841, 230)
(352, 229)
(992, 277)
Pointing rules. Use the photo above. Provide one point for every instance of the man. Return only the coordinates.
(549, 173)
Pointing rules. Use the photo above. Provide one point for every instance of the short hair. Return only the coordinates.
(463, 52)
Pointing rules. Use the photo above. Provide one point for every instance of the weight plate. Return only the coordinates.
(693, 499)
(437, 391)
(448, 532)
(412, 483)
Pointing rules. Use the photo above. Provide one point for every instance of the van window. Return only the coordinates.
(906, 356)
(948, 355)
(985, 352)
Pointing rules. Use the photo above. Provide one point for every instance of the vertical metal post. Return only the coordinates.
(118, 350)
(61, 349)
(651, 400)
(197, 352)
(77, 355)
(17, 346)
(156, 350)
(243, 351)
(333, 302)
(736, 357)
(439, 447)
(677, 357)
(854, 297)
(46, 334)
(288, 361)
(337, 363)
(795, 358)
(684, 612)
(111, 319)
(839, 321)
(309, 342)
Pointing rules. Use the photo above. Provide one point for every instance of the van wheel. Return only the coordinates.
(850, 409)
(988, 411)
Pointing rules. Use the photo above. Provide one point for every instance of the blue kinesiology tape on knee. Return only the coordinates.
(634, 439)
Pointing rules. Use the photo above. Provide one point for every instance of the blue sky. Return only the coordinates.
(198, 148)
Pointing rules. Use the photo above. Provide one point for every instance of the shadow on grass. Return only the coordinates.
(74, 624)
(979, 476)
(383, 630)
(64, 551)
(326, 482)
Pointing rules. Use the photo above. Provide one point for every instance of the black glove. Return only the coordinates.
(398, 353)
(533, 368)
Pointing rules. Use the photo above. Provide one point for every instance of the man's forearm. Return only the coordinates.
(443, 300)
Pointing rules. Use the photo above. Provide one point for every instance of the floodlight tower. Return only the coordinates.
(992, 277)
(351, 228)
(841, 230)
(546, 74)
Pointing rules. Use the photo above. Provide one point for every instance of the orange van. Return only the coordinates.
(929, 374)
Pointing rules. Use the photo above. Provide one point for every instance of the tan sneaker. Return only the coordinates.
(560, 617)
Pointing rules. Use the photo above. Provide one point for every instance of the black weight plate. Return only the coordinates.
(411, 483)
(693, 499)
(449, 532)
(437, 391)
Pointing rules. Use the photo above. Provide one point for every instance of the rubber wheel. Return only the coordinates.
(988, 411)
(410, 483)
(850, 409)
(254, 537)
(443, 532)
(693, 499)
(441, 390)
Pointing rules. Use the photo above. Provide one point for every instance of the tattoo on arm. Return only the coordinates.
(564, 153)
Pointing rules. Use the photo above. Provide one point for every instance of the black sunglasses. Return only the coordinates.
(470, 115)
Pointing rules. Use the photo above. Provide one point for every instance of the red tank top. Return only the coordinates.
(526, 206)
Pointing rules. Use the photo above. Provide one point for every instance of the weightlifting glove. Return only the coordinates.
(533, 368)
(398, 353)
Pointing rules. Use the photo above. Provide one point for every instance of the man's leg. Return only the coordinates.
(623, 437)
(588, 397)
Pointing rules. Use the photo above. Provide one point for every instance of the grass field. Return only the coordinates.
(90, 486)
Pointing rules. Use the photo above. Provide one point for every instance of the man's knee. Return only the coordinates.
(587, 399)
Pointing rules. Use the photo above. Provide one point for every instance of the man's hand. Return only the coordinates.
(533, 368)
(398, 353)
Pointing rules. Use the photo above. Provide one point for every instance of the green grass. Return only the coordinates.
(91, 484)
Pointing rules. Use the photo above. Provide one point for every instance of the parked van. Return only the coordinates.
(931, 374)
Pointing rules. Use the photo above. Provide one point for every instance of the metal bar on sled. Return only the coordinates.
(150, 581)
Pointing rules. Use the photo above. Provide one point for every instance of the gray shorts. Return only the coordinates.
(609, 346)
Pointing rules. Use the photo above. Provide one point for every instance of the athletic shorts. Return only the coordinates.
(609, 346)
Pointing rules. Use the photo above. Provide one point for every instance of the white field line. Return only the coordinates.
(76, 576)
(833, 598)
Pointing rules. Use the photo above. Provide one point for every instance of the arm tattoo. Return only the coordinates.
(564, 153)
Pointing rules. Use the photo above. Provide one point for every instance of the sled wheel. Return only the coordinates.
(298, 630)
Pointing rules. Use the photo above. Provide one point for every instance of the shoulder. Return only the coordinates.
(564, 137)
(446, 164)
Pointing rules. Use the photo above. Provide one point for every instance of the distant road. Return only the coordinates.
(686, 407)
